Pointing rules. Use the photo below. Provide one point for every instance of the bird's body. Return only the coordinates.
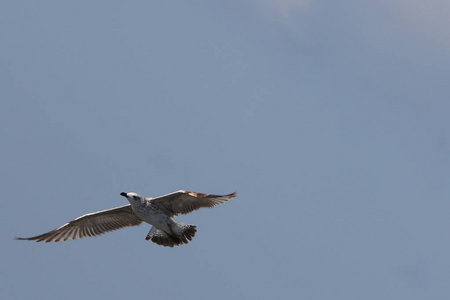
(148, 212)
(158, 212)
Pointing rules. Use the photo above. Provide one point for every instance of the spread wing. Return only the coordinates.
(183, 202)
(92, 224)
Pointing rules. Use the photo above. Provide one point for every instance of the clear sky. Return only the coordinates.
(329, 118)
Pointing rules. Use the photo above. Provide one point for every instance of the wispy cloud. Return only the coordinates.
(286, 8)
(416, 19)
(428, 19)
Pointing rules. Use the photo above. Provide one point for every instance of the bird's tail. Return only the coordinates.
(180, 235)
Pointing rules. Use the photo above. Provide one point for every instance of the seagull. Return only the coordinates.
(158, 212)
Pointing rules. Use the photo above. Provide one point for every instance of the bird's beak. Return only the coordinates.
(123, 194)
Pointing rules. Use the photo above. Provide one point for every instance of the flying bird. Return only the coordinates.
(158, 212)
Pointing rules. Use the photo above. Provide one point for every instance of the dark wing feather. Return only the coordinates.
(92, 224)
(183, 202)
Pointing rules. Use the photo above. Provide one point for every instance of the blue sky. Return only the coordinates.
(330, 120)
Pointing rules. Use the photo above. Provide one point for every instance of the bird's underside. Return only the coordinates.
(171, 234)
(169, 240)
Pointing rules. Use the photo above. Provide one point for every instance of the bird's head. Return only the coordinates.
(132, 197)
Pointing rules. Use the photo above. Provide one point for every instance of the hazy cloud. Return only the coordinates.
(428, 19)
(286, 7)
